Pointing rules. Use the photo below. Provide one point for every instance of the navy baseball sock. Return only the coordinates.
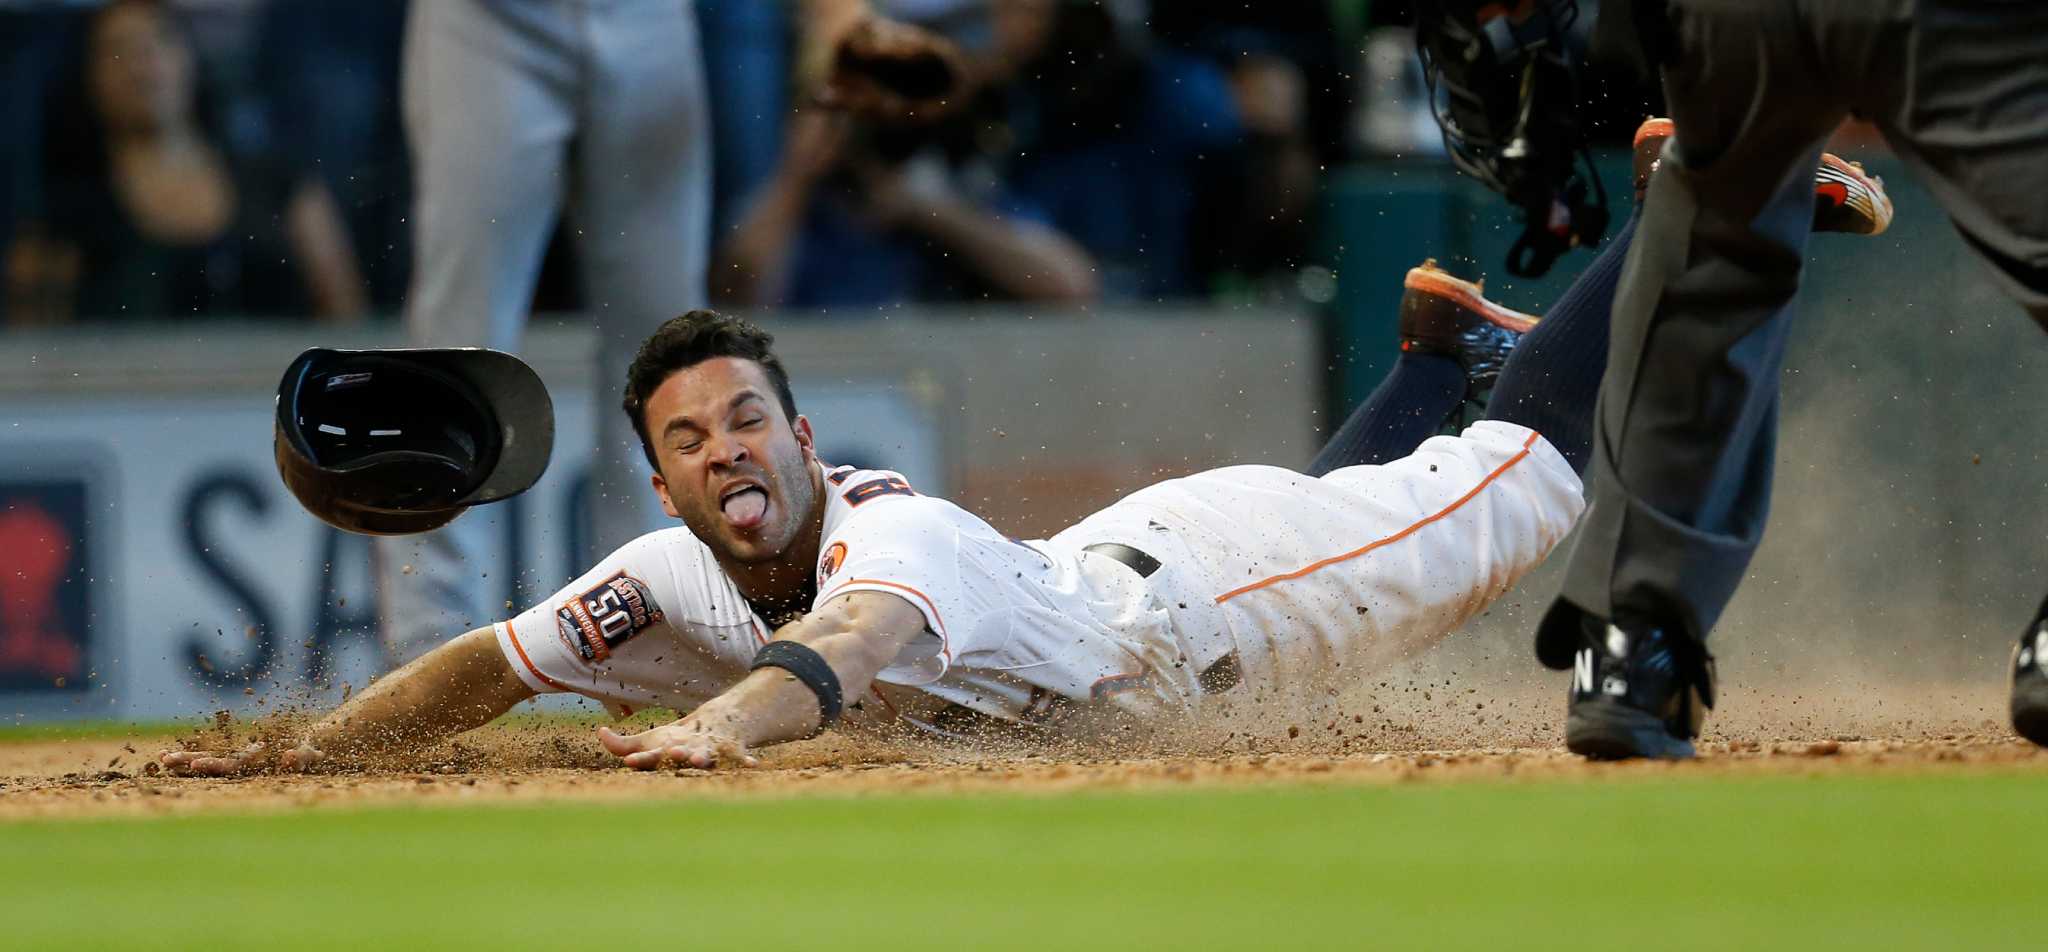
(1551, 380)
(1406, 408)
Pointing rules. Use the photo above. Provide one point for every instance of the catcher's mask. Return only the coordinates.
(1503, 85)
(390, 442)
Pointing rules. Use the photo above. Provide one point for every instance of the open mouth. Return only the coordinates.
(744, 506)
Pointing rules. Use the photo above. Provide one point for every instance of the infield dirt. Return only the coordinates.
(1416, 732)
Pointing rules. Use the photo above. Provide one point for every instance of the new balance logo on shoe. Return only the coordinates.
(1582, 672)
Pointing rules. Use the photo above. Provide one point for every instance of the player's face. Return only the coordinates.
(140, 70)
(729, 464)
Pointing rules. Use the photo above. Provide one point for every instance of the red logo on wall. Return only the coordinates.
(44, 581)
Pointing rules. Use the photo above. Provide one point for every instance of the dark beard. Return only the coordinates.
(778, 612)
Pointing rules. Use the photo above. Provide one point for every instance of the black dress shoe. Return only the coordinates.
(1637, 691)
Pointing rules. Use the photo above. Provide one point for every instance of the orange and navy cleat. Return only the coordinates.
(1442, 314)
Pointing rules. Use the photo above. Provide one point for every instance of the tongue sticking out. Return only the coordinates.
(745, 508)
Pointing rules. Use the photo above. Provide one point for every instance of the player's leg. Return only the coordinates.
(486, 115)
(1547, 377)
(1963, 97)
(1453, 343)
(1685, 428)
(1551, 380)
(1968, 111)
(1295, 583)
(642, 202)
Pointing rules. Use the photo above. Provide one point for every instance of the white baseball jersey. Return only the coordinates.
(1010, 627)
(1293, 578)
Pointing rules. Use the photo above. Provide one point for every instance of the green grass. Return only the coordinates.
(1951, 861)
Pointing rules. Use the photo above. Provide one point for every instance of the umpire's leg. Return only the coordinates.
(486, 92)
(1965, 102)
(1686, 422)
(1963, 96)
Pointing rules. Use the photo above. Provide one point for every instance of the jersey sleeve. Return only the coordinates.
(618, 629)
(555, 644)
(906, 546)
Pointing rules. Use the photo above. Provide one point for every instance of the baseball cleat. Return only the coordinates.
(1441, 314)
(1649, 147)
(1637, 691)
(1845, 198)
(2030, 681)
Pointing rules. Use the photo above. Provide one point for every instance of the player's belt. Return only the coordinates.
(1139, 562)
(1222, 674)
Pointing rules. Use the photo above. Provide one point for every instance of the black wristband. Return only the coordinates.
(809, 667)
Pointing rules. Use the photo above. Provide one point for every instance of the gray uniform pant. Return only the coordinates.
(517, 110)
(1687, 417)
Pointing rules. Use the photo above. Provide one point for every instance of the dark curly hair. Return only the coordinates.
(690, 340)
(75, 149)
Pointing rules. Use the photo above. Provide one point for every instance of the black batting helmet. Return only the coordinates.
(391, 442)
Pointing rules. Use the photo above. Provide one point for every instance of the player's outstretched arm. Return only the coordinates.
(463, 684)
(857, 635)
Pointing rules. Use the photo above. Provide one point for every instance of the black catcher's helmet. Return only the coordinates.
(1503, 81)
(391, 442)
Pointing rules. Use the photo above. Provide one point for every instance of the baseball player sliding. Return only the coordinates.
(1245, 581)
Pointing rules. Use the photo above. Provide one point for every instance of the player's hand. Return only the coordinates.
(685, 743)
(255, 757)
(883, 69)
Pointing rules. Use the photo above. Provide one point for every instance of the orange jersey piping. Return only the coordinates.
(1396, 537)
(513, 633)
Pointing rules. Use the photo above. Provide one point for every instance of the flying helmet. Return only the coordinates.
(392, 442)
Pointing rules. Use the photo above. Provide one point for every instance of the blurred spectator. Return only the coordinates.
(747, 63)
(1111, 138)
(325, 74)
(148, 212)
(867, 216)
(1281, 60)
(31, 41)
(1257, 224)
(1309, 36)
